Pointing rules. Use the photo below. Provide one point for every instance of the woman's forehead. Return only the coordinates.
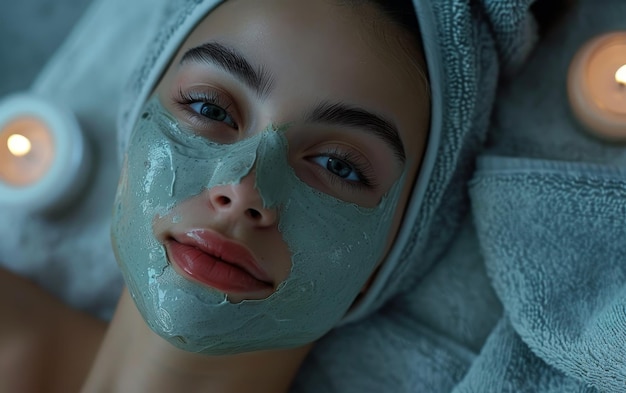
(320, 47)
(321, 27)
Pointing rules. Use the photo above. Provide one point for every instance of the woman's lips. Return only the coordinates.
(217, 262)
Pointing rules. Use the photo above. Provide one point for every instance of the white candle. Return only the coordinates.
(43, 155)
(597, 86)
(26, 151)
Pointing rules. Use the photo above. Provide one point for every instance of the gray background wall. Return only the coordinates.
(30, 31)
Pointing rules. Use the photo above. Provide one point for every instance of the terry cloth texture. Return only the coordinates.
(549, 202)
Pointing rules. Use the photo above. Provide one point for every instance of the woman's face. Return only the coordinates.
(318, 115)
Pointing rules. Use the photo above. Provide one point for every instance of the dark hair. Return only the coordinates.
(403, 14)
(550, 13)
(400, 11)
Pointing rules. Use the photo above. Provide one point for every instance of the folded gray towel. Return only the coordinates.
(549, 202)
(552, 234)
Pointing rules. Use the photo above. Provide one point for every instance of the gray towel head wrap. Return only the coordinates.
(467, 46)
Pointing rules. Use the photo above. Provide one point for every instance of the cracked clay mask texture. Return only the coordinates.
(334, 244)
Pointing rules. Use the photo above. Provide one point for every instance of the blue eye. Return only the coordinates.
(338, 167)
(207, 109)
(213, 112)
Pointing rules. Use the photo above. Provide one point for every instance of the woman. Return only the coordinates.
(270, 188)
(256, 128)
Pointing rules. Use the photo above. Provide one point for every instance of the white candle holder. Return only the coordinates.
(44, 158)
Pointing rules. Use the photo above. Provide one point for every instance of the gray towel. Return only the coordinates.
(549, 202)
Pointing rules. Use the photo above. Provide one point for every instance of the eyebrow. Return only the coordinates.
(262, 81)
(257, 78)
(345, 115)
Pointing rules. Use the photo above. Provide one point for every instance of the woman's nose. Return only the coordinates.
(242, 201)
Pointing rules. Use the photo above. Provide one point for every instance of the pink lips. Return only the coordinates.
(217, 262)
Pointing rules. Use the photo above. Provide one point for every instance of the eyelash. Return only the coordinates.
(184, 99)
(360, 166)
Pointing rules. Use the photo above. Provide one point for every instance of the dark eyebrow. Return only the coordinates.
(345, 115)
(234, 62)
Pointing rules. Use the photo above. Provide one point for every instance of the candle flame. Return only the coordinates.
(620, 75)
(19, 145)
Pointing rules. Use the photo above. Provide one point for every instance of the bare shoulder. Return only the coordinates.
(44, 345)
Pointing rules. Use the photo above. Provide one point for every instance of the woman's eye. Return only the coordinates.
(213, 112)
(206, 109)
(338, 167)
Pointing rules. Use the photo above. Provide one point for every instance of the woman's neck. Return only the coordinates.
(132, 358)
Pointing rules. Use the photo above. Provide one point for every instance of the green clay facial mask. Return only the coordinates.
(334, 245)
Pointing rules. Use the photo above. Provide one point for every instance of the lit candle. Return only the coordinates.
(43, 160)
(597, 86)
(620, 75)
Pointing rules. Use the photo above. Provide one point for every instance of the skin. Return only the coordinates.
(390, 86)
(44, 344)
(295, 41)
